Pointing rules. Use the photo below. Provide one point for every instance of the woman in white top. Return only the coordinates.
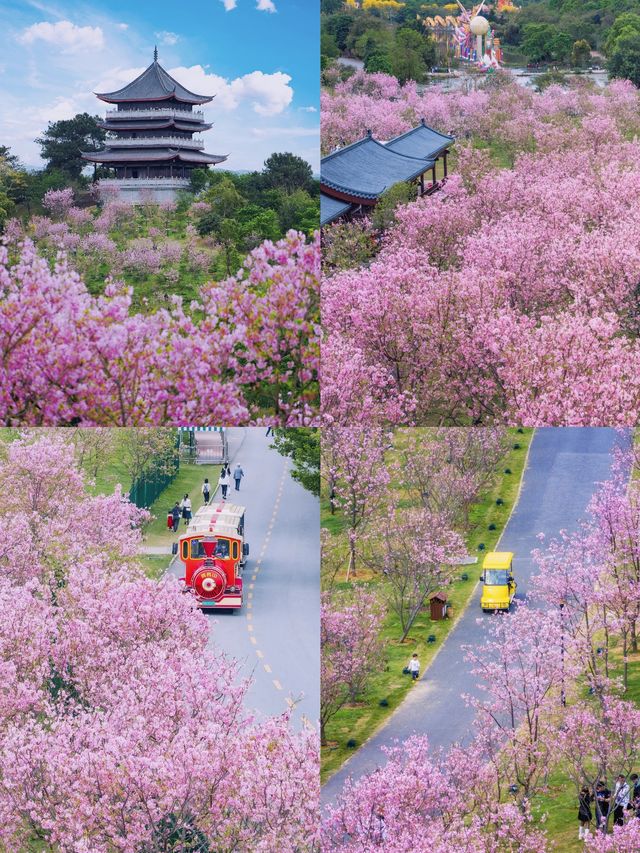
(224, 482)
(186, 509)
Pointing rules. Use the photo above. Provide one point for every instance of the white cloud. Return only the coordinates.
(265, 6)
(229, 4)
(65, 35)
(168, 38)
(266, 94)
(123, 26)
(308, 109)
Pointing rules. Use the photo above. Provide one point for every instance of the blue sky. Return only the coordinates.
(259, 57)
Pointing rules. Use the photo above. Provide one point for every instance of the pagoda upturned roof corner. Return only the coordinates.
(154, 84)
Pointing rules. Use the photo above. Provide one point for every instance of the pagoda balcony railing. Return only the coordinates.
(158, 141)
(157, 112)
(140, 182)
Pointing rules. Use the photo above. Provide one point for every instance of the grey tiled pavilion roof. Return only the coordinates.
(366, 168)
(331, 208)
(152, 155)
(154, 84)
(421, 141)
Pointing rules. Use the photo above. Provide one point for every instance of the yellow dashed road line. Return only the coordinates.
(256, 569)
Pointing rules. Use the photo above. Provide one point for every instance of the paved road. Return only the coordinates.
(276, 635)
(564, 466)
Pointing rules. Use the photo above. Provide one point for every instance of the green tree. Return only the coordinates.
(626, 24)
(410, 55)
(300, 211)
(199, 180)
(580, 53)
(302, 445)
(537, 41)
(561, 47)
(329, 45)
(63, 142)
(378, 62)
(339, 26)
(288, 172)
(624, 62)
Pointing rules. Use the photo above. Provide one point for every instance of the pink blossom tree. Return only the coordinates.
(353, 465)
(352, 650)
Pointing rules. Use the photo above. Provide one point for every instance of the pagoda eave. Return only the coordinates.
(170, 96)
(112, 125)
(119, 158)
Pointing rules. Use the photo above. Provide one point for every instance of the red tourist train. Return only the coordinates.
(214, 552)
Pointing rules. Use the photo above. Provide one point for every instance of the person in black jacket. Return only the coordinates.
(603, 803)
(584, 812)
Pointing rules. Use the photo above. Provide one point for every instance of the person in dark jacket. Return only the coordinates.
(603, 803)
(584, 812)
(176, 512)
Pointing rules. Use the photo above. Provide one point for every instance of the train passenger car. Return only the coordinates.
(214, 552)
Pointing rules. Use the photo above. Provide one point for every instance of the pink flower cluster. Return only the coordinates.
(247, 352)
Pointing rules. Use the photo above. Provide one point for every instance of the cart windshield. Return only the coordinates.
(496, 577)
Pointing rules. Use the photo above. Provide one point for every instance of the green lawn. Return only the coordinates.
(188, 481)
(360, 721)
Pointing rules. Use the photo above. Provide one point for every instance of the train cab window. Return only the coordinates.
(185, 550)
(234, 550)
(222, 548)
(197, 549)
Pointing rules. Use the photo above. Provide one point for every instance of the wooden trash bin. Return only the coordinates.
(438, 604)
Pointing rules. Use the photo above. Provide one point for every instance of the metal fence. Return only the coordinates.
(148, 487)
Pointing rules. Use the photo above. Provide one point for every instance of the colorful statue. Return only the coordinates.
(475, 38)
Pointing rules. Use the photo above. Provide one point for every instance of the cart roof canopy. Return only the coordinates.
(498, 560)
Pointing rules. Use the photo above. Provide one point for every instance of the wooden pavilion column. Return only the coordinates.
(445, 163)
(433, 175)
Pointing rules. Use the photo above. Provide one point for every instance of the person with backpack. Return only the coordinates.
(238, 474)
(206, 491)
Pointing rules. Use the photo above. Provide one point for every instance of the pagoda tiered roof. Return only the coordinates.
(154, 84)
(153, 124)
(421, 141)
(155, 155)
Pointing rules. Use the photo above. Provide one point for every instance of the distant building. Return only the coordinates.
(151, 145)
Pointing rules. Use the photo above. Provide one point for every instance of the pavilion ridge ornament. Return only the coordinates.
(151, 149)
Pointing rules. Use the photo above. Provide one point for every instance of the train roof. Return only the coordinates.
(220, 529)
(498, 560)
(219, 508)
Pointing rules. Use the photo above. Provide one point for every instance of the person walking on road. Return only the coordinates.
(206, 491)
(238, 474)
(186, 509)
(621, 796)
(224, 481)
(414, 666)
(603, 802)
(176, 512)
(584, 812)
(269, 431)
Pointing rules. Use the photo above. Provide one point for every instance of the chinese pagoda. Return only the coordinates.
(151, 144)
